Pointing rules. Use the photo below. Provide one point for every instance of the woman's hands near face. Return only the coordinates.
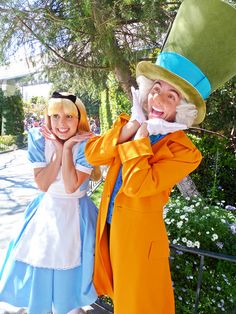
(77, 138)
(49, 135)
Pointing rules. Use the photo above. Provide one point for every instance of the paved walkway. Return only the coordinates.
(17, 189)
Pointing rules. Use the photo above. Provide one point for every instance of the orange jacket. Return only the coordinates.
(134, 269)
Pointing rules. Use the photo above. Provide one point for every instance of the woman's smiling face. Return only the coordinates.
(162, 101)
(64, 125)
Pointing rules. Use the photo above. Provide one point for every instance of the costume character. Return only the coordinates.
(148, 153)
(49, 264)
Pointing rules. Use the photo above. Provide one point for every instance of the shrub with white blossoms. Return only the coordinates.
(195, 224)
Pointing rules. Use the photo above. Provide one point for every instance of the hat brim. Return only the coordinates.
(155, 72)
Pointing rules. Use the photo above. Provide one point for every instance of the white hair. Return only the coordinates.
(185, 112)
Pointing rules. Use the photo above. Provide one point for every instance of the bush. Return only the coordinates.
(193, 223)
(214, 176)
(12, 113)
(12, 141)
(7, 142)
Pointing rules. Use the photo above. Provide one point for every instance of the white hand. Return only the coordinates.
(159, 126)
(136, 110)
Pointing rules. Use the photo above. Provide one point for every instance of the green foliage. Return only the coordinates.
(9, 142)
(12, 114)
(195, 224)
(91, 105)
(85, 40)
(105, 112)
(215, 177)
(221, 108)
(113, 102)
(2, 105)
(96, 195)
(6, 142)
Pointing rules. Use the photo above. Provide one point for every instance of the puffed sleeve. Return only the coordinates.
(81, 163)
(36, 148)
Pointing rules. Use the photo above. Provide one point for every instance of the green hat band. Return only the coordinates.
(185, 69)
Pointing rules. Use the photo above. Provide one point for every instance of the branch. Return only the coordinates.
(55, 52)
(208, 131)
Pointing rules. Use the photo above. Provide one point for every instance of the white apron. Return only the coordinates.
(52, 237)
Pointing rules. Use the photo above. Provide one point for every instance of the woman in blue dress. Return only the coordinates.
(49, 265)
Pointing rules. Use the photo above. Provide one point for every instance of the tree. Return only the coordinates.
(13, 114)
(86, 38)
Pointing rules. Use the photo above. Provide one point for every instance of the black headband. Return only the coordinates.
(70, 97)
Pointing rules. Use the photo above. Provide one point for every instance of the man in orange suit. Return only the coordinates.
(148, 153)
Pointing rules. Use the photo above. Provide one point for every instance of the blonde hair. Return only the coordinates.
(185, 112)
(76, 109)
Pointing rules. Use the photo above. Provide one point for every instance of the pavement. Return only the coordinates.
(17, 189)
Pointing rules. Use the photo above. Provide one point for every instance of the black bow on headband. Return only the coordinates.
(70, 97)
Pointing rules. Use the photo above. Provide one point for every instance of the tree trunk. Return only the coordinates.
(124, 77)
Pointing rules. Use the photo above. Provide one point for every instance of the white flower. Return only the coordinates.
(233, 228)
(197, 244)
(230, 207)
(214, 237)
(189, 209)
(189, 243)
(179, 224)
(184, 240)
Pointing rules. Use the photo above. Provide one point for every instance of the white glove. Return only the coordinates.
(136, 110)
(186, 114)
(159, 126)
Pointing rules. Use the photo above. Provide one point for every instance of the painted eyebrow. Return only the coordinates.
(172, 90)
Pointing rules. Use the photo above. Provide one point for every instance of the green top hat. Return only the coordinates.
(200, 52)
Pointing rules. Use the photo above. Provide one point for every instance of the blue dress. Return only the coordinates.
(49, 265)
